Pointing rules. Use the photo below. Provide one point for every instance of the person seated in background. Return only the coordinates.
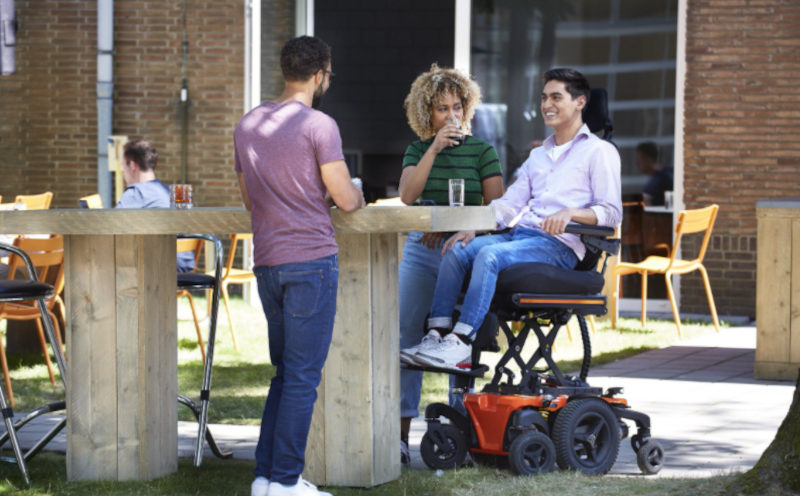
(144, 189)
(573, 177)
(660, 176)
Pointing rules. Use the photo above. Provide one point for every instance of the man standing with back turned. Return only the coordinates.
(288, 155)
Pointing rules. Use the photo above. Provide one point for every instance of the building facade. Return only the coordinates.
(738, 95)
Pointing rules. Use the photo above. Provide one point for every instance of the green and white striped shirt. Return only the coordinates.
(474, 160)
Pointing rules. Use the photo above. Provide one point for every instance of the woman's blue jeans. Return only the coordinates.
(485, 257)
(299, 300)
(416, 280)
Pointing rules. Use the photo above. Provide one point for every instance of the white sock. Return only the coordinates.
(463, 329)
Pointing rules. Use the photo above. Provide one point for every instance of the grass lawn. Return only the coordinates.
(233, 477)
(240, 384)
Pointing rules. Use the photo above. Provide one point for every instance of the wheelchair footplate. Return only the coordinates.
(478, 371)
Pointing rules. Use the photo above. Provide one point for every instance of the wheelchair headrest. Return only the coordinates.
(595, 114)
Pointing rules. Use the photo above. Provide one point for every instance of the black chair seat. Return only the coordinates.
(534, 277)
(21, 290)
(193, 280)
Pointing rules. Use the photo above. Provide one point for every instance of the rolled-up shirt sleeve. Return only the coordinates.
(604, 169)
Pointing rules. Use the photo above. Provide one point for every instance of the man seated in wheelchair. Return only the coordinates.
(574, 177)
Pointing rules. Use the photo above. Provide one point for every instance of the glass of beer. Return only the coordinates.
(180, 196)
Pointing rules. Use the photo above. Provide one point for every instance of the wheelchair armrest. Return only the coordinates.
(583, 229)
(596, 237)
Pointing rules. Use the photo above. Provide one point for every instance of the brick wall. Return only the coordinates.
(742, 118)
(48, 126)
(47, 109)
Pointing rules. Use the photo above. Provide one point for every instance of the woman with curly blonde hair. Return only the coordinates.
(439, 107)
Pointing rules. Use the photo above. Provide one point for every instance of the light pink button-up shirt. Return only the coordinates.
(586, 175)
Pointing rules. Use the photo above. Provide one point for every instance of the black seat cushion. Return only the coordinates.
(193, 280)
(21, 290)
(536, 277)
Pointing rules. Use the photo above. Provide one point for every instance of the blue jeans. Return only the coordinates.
(486, 256)
(416, 280)
(299, 300)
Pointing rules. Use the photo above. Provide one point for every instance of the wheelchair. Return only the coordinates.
(542, 418)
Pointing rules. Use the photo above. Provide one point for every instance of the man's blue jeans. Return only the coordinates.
(486, 256)
(299, 300)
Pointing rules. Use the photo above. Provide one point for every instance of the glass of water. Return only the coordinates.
(456, 192)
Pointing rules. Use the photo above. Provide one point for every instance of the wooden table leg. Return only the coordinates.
(355, 430)
(121, 357)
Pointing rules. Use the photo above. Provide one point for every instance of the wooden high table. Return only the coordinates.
(778, 289)
(122, 337)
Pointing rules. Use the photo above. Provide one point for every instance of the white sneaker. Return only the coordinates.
(302, 488)
(405, 455)
(260, 487)
(450, 353)
(429, 341)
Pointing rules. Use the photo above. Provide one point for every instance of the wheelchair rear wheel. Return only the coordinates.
(586, 435)
(443, 447)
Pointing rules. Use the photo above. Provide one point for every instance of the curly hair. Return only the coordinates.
(429, 87)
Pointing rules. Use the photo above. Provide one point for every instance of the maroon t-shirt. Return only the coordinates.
(279, 148)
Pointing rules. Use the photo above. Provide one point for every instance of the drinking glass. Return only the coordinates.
(180, 196)
(460, 138)
(456, 192)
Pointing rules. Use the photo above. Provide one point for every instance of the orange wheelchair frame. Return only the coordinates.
(542, 418)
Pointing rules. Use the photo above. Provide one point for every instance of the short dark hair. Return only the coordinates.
(575, 82)
(303, 56)
(648, 149)
(142, 153)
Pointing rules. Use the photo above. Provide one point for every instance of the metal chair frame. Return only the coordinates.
(31, 289)
(189, 281)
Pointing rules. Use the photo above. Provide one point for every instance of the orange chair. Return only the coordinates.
(233, 275)
(47, 256)
(192, 245)
(35, 202)
(689, 222)
(91, 201)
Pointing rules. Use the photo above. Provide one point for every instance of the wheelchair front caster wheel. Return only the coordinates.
(532, 453)
(443, 447)
(650, 457)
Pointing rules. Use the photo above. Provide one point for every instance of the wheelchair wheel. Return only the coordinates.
(532, 453)
(650, 457)
(586, 435)
(443, 447)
